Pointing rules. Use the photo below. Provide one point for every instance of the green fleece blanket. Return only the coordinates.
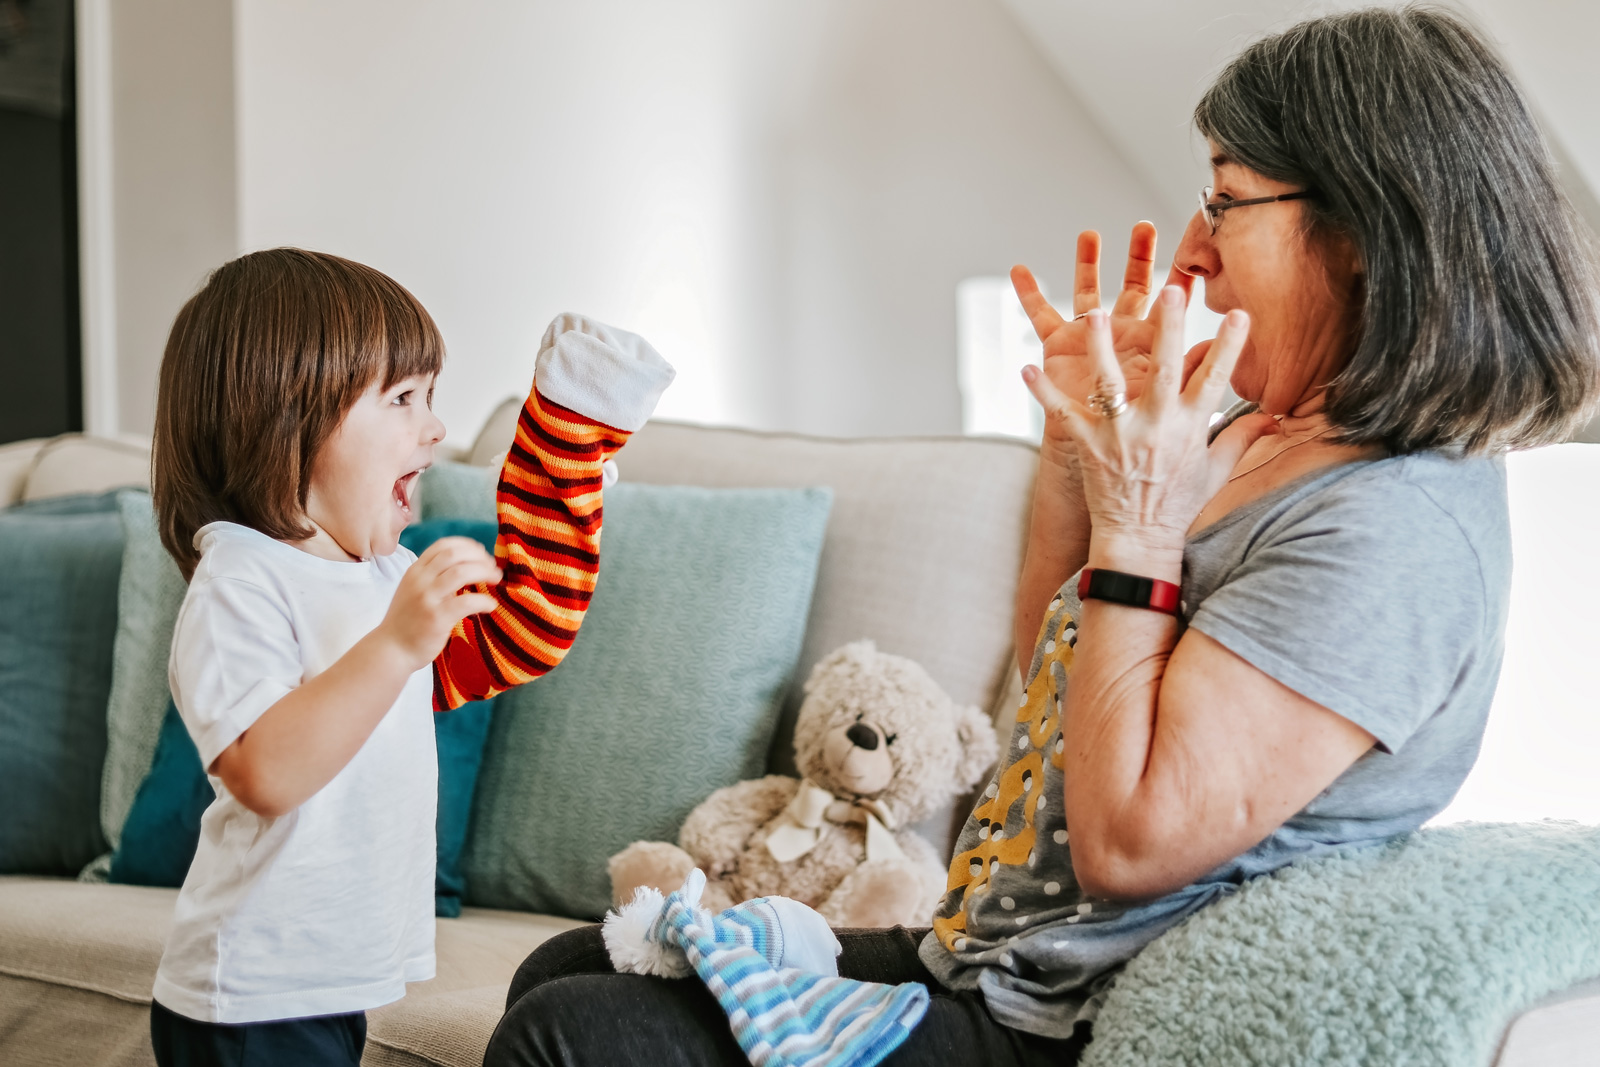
(1419, 952)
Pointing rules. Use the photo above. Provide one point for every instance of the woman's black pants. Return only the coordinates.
(568, 1006)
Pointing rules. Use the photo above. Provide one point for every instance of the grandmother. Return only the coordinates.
(1287, 632)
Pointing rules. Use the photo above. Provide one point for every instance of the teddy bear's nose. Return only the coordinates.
(862, 736)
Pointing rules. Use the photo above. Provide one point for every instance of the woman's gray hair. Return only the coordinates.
(1479, 325)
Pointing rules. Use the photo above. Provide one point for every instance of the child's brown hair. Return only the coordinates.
(261, 367)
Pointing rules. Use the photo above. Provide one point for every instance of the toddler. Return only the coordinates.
(293, 423)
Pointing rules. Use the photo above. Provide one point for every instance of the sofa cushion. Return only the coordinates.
(149, 593)
(58, 616)
(671, 691)
(77, 962)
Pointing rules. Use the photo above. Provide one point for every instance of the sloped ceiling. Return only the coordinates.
(1138, 66)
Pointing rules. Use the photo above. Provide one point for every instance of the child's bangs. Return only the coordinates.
(412, 344)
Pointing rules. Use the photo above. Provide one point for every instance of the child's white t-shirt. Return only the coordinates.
(328, 909)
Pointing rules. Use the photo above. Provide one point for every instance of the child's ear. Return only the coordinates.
(979, 749)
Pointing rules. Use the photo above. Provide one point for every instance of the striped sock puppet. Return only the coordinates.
(770, 964)
(593, 386)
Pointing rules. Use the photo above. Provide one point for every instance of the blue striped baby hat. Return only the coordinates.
(770, 962)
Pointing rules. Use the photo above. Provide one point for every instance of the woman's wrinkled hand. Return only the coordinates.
(1148, 471)
(1066, 349)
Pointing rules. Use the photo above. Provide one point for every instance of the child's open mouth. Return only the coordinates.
(405, 489)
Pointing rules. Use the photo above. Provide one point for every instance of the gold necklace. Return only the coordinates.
(1279, 452)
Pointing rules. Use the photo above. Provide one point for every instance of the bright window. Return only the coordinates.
(995, 340)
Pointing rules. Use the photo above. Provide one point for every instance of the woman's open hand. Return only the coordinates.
(1066, 350)
(1147, 471)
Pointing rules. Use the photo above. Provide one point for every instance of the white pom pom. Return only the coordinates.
(627, 937)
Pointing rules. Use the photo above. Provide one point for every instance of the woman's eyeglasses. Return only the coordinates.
(1213, 211)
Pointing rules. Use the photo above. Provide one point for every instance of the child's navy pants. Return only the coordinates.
(325, 1041)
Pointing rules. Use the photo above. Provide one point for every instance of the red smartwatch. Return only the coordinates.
(1136, 591)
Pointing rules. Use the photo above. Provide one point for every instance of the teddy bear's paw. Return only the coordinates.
(648, 864)
(878, 895)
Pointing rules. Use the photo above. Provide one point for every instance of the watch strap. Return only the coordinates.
(1134, 590)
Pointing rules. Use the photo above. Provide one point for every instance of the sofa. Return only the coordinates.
(921, 553)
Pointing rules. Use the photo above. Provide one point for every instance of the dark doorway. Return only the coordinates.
(39, 337)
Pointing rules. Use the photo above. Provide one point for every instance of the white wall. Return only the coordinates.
(1539, 751)
(913, 144)
(158, 185)
(782, 196)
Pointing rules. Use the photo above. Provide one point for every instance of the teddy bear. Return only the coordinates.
(880, 746)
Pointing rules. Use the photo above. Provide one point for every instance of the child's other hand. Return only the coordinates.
(430, 599)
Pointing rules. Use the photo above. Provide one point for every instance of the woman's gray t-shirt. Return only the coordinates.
(1377, 589)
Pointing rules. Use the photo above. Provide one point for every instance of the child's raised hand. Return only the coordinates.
(433, 597)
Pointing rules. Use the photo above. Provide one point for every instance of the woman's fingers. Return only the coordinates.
(1182, 281)
(1166, 356)
(1108, 378)
(1193, 358)
(1045, 318)
(1209, 380)
(1139, 276)
(1086, 278)
(1058, 406)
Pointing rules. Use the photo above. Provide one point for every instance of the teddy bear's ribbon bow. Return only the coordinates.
(801, 827)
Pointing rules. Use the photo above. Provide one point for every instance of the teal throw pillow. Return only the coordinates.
(149, 594)
(671, 690)
(449, 490)
(460, 736)
(59, 561)
(162, 828)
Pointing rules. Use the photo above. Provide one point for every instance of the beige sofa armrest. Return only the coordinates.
(44, 467)
(16, 463)
(80, 463)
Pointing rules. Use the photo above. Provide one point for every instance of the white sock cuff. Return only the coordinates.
(609, 375)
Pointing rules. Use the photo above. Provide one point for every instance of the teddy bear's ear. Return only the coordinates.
(979, 749)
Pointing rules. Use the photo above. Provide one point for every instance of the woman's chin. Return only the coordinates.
(1247, 387)
(1250, 385)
